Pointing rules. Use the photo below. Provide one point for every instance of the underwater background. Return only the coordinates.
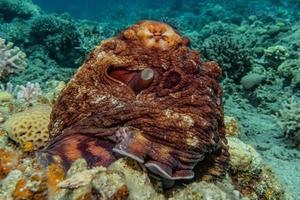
(255, 42)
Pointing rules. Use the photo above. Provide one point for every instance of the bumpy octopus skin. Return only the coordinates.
(145, 95)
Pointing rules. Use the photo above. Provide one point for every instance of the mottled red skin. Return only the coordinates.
(172, 124)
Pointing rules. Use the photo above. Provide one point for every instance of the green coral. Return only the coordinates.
(290, 70)
(288, 117)
(61, 38)
(275, 55)
(10, 9)
(234, 58)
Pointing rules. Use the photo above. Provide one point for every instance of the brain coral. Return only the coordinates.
(30, 126)
(145, 95)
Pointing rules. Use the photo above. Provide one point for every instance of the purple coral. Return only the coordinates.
(12, 59)
(28, 93)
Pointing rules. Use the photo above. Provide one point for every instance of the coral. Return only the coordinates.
(231, 126)
(8, 161)
(5, 96)
(42, 70)
(28, 93)
(8, 185)
(243, 157)
(21, 191)
(11, 9)
(250, 175)
(53, 90)
(80, 182)
(61, 38)
(138, 182)
(55, 174)
(12, 59)
(275, 55)
(29, 126)
(288, 117)
(290, 70)
(234, 58)
(132, 87)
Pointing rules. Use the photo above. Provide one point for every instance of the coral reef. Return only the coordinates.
(265, 32)
(132, 87)
(12, 59)
(11, 9)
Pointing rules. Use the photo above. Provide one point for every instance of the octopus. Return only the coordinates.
(146, 95)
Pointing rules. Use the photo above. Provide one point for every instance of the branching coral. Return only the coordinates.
(61, 38)
(23, 93)
(28, 93)
(12, 59)
(230, 53)
(10, 9)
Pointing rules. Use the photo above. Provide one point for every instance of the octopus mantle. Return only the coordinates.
(146, 95)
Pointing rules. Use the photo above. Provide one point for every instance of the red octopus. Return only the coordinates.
(145, 95)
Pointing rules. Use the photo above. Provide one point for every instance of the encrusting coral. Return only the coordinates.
(250, 175)
(288, 117)
(12, 59)
(143, 82)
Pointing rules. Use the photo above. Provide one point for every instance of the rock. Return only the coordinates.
(243, 157)
(137, 181)
(206, 191)
(98, 182)
(250, 175)
(251, 80)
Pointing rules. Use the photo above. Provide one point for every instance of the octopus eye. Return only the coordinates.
(171, 80)
(164, 37)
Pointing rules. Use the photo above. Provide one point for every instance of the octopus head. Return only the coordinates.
(156, 35)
